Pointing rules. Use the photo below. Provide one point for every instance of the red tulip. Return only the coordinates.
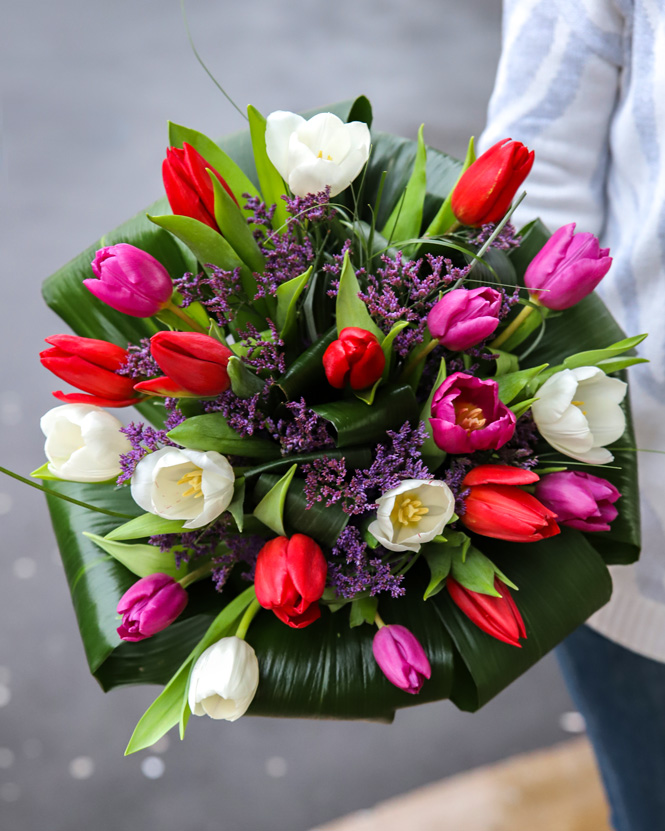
(290, 577)
(498, 616)
(355, 358)
(495, 507)
(485, 191)
(194, 363)
(188, 186)
(91, 366)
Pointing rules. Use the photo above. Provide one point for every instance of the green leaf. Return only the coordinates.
(475, 572)
(350, 310)
(233, 175)
(363, 610)
(439, 557)
(445, 218)
(236, 505)
(593, 356)
(212, 432)
(244, 382)
(141, 560)
(505, 363)
(432, 455)
(270, 509)
(406, 219)
(361, 110)
(611, 365)
(145, 526)
(512, 384)
(356, 423)
(387, 345)
(307, 372)
(523, 406)
(235, 230)
(272, 186)
(287, 303)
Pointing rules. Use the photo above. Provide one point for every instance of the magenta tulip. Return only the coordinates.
(464, 317)
(149, 606)
(467, 415)
(567, 268)
(580, 500)
(401, 658)
(130, 280)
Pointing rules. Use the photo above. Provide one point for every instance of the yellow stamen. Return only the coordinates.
(407, 510)
(579, 404)
(193, 479)
(468, 416)
(320, 156)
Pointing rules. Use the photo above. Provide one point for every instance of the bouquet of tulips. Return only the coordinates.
(371, 465)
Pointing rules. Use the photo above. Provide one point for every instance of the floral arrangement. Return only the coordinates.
(370, 410)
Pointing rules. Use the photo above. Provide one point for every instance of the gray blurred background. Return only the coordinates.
(87, 88)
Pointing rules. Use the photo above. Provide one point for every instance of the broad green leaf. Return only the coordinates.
(594, 356)
(272, 186)
(406, 219)
(356, 423)
(235, 230)
(433, 456)
(350, 309)
(361, 110)
(140, 559)
(307, 372)
(270, 509)
(212, 432)
(355, 457)
(363, 610)
(445, 218)
(512, 384)
(287, 303)
(528, 327)
(234, 177)
(145, 526)
(244, 382)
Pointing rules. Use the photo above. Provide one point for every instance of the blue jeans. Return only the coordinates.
(622, 697)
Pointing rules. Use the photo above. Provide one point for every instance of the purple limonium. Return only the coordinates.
(465, 317)
(567, 268)
(130, 280)
(467, 415)
(139, 362)
(351, 569)
(401, 658)
(149, 606)
(144, 439)
(580, 500)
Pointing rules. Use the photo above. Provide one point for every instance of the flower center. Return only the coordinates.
(193, 480)
(579, 404)
(469, 416)
(407, 510)
(320, 156)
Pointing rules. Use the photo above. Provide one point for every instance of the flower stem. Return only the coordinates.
(418, 356)
(184, 316)
(247, 618)
(379, 621)
(514, 326)
(193, 576)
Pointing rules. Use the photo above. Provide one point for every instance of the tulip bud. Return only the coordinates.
(355, 358)
(290, 577)
(579, 500)
(188, 186)
(91, 366)
(149, 606)
(467, 415)
(194, 362)
(130, 280)
(498, 616)
(486, 189)
(224, 680)
(567, 268)
(83, 443)
(401, 658)
(463, 318)
(495, 507)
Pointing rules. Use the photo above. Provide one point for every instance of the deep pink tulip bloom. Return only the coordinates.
(467, 415)
(401, 658)
(130, 280)
(149, 606)
(567, 268)
(464, 317)
(580, 500)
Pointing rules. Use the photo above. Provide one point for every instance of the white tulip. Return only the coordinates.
(312, 154)
(578, 413)
(224, 680)
(184, 484)
(412, 513)
(83, 443)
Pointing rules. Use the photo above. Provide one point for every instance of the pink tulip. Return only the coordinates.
(149, 606)
(580, 500)
(401, 658)
(463, 317)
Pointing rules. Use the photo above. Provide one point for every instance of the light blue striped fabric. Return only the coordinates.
(582, 82)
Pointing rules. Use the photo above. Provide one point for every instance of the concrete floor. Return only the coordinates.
(87, 88)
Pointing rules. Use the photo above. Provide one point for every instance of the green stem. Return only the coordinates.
(193, 576)
(184, 316)
(247, 618)
(379, 621)
(62, 496)
(513, 326)
(418, 356)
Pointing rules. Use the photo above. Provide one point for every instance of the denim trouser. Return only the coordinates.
(622, 697)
